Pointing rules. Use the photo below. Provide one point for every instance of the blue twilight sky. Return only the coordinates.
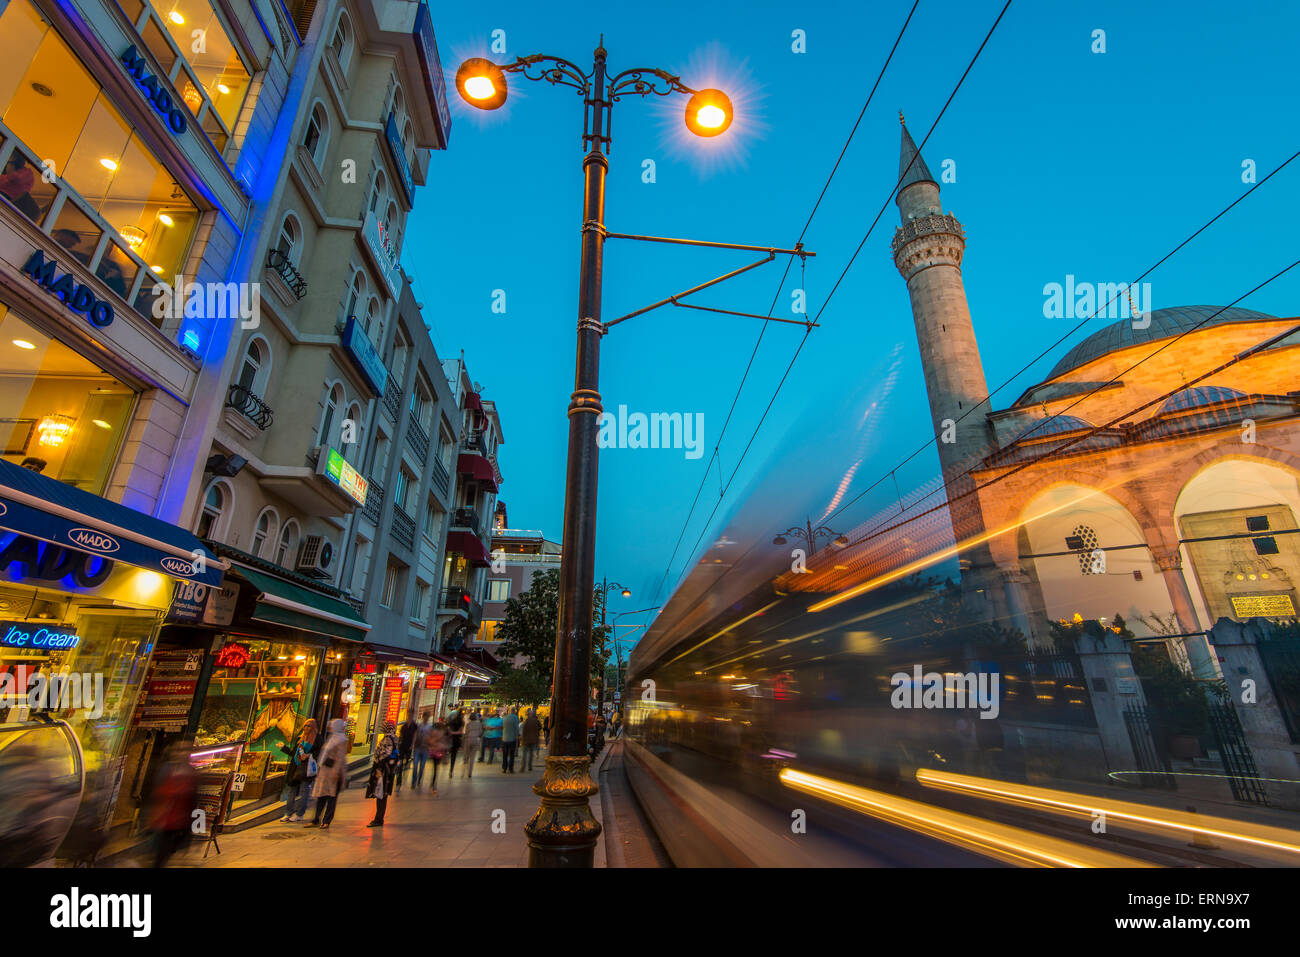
(1067, 162)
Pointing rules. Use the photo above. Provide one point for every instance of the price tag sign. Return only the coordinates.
(238, 783)
(192, 661)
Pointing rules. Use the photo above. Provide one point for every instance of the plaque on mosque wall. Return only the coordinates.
(1263, 606)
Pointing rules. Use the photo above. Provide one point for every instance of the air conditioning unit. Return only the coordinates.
(316, 556)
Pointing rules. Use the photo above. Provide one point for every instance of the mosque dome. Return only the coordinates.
(1165, 323)
(1198, 396)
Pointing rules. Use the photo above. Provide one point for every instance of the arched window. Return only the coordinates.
(216, 508)
(333, 401)
(290, 241)
(399, 103)
(316, 139)
(256, 367)
(342, 42)
(408, 140)
(286, 552)
(264, 531)
(353, 433)
(390, 223)
(378, 192)
(356, 295)
(374, 323)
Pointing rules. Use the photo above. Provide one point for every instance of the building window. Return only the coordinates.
(203, 42)
(264, 531)
(56, 107)
(487, 631)
(286, 552)
(357, 293)
(341, 44)
(290, 241)
(62, 415)
(374, 323)
(379, 467)
(446, 446)
(257, 364)
(402, 486)
(421, 405)
(215, 504)
(351, 432)
(420, 601)
(316, 139)
(432, 520)
(333, 399)
(390, 584)
(498, 589)
(378, 192)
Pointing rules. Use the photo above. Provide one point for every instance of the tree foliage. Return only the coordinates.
(529, 627)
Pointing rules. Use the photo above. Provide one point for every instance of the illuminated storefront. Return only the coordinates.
(389, 685)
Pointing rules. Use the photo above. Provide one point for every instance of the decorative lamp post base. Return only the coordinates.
(563, 832)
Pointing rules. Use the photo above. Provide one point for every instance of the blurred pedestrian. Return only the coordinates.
(331, 775)
(546, 729)
(171, 803)
(301, 776)
(528, 738)
(491, 736)
(456, 729)
(473, 738)
(405, 748)
(618, 723)
(382, 771)
(439, 742)
(509, 740)
(420, 753)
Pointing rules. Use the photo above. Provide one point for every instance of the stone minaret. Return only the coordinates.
(928, 250)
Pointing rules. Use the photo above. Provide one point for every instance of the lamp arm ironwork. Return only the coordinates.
(551, 69)
(644, 81)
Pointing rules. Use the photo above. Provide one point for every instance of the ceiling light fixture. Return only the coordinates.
(24, 344)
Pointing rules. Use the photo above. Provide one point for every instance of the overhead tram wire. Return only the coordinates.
(776, 297)
(988, 36)
(1041, 355)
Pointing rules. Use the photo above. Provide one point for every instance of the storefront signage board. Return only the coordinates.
(426, 49)
(393, 699)
(435, 681)
(380, 246)
(339, 471)
(398, 153)
(364, 356)
(29, 634)
(193, 603)
(232, 655)
(76, 296)
(155, 91)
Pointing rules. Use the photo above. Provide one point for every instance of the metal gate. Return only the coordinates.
(1148, 748)
(1234, 751)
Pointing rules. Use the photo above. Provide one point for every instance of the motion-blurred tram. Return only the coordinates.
(769, 727)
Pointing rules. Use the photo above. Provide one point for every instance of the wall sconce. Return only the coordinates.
(54, 430)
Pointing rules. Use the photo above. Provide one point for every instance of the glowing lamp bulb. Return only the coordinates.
(710, 117)
(176, 18)
(480, 87)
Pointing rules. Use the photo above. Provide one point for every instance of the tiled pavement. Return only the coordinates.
(454, 829)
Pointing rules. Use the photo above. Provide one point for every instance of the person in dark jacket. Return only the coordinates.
(382, 770)
(405, 748)
(529, 736)
(301, 775)
(169, 809)
(456, 729)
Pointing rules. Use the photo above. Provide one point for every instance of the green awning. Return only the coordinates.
(292, 605)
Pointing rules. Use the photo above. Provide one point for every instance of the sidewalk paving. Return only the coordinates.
(454, 829)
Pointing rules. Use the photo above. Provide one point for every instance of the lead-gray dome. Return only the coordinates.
(1165, 323)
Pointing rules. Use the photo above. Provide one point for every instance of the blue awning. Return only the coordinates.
(40, 507)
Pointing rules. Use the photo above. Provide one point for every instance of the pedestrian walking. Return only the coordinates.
(438, 743)
(491, 736)
(546, 729)
(472, 739)
(382, 771)
(528, 736)
(455, 728)
(618, 723)
(301, 776)
(420, 753)
(405, 748)
(331, 775)
(171, 803)
(509, 740)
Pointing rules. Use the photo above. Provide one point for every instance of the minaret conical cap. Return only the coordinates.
(918, 172)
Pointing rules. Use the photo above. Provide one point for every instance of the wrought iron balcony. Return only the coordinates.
(250, 406)
(474, 442)
(441, 478)
(393, 400)
(417, 439)
(277, 260)
(465, 518)
(374, 501)
(455, 598)
(403, 528)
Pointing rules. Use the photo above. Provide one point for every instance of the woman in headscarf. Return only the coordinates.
(331, 777)
(301, 775)
(382, 769)
(439, 743)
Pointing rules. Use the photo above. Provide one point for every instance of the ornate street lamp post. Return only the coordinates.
(563, 832)
(810, 535)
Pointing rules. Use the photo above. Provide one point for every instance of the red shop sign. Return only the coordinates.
(232, 655)
(435, 681)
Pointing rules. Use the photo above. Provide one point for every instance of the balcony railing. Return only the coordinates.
(417, 439)
(374, 502)
(404, 528)
(465, 518)
(277, 260)
(250, 406)
(474, 442)
(441, 478)
(393, 400)
(455, 598)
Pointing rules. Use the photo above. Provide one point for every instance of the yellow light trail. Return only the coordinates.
(734, 624)
(1083, 805)
(948, 552)
(1011, 845)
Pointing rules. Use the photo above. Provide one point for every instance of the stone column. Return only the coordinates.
(1257, 707)
(1170, 562)
(1112, 686)
(1014, 584)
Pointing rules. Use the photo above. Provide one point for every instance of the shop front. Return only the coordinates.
(389, 685)
(85, 585)
(273, 668)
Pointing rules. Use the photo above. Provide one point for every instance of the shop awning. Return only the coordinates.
(40, 507)
(469, 545)
(292, 605)
(373, 651)
(473, 401)
(477, 468)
